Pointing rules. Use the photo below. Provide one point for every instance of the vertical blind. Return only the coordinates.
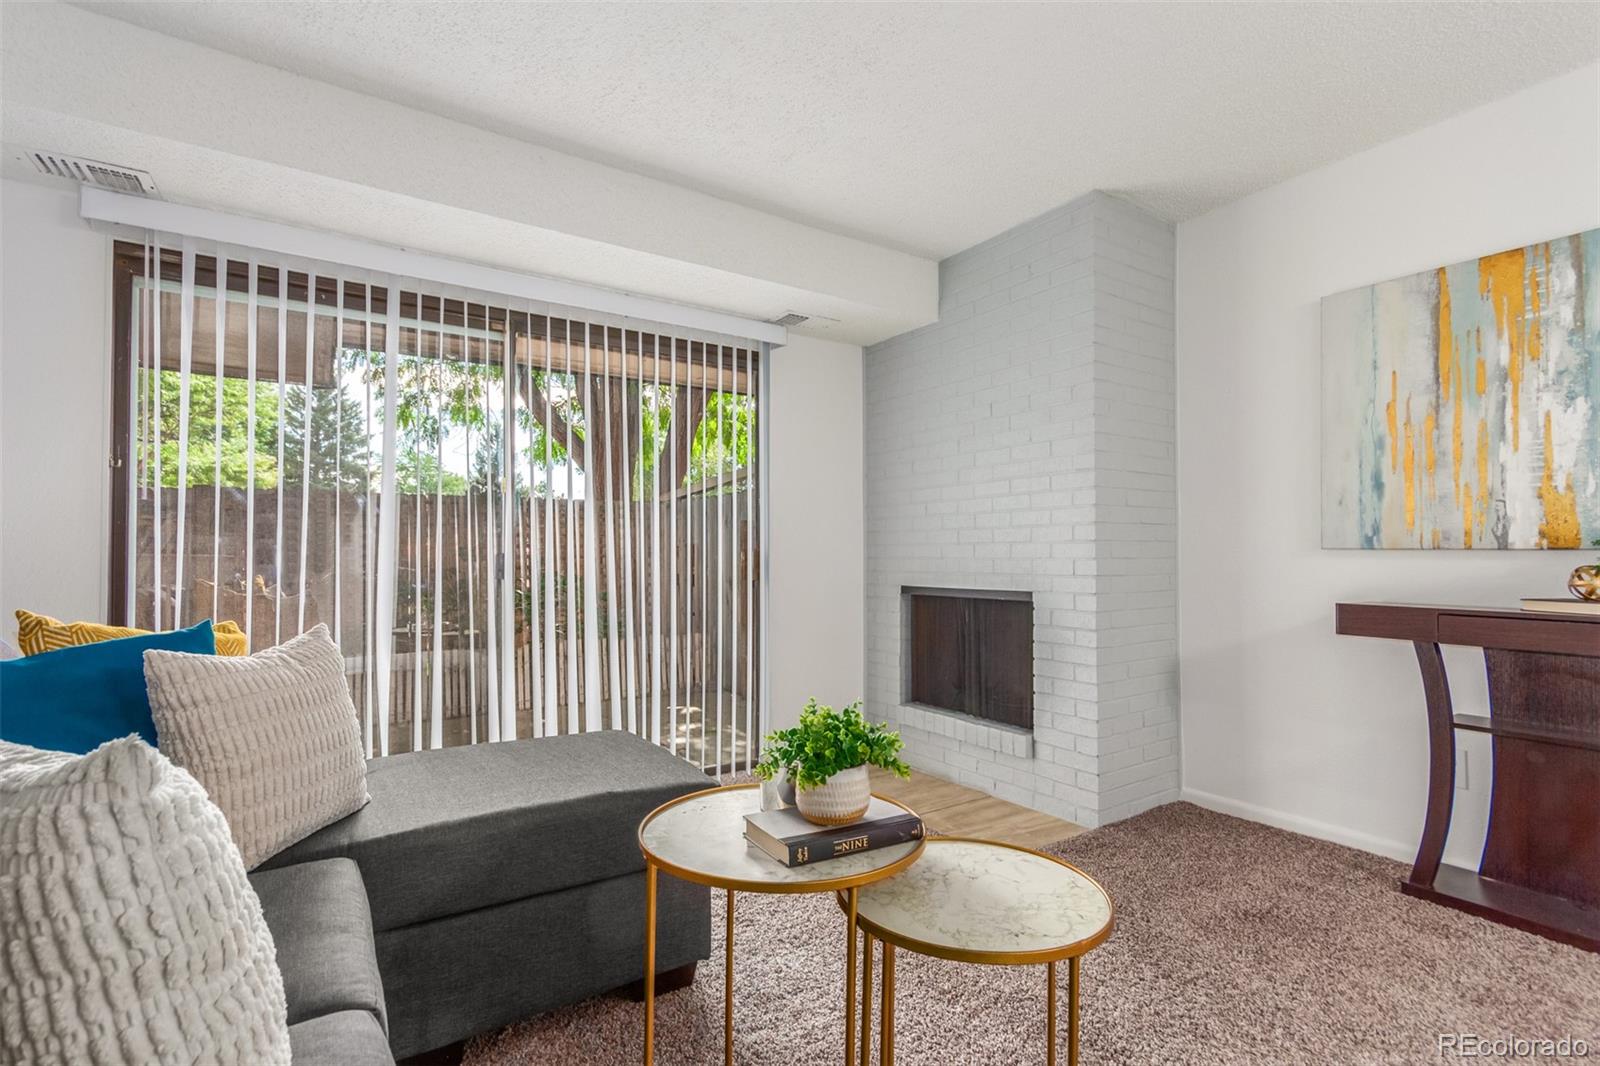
(516, 520)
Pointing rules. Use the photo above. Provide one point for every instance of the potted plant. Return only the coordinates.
(826, 756)
(1585, 580)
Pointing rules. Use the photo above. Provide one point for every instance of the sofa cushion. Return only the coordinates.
(130, 933)
(273, 736)
(317, 912)
(455, 829)
(39, 633)
(76, 699)
(348, 1038)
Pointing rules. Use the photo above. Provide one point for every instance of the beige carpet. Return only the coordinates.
(1235, 943)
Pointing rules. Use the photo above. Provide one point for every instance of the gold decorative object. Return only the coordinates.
(1585, 582)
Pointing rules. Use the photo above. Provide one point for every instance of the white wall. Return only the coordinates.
(815, 642)
(55, 384)
(1282, 720)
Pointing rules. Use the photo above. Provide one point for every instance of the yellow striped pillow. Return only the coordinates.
(31, 629)
(38, 633)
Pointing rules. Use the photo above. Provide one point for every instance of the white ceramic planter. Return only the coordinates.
(839, 800)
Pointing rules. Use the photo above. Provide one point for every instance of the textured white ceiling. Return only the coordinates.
(219, 131)
(928, 127)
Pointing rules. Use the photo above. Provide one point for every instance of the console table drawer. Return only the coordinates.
(1528, 634)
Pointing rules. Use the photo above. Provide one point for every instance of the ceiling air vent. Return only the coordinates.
(93, 172)
(791, 319)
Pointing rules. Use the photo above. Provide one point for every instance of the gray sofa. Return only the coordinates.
(322, 930)
(481, 885)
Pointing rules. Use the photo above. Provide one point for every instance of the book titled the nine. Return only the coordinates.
(793, 841)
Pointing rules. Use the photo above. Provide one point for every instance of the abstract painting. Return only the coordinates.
(1461, 406)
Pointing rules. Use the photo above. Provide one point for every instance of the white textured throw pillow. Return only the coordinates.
(273, 737)
(130, 932)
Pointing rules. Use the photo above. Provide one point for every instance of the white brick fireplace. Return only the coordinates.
(1024, 442)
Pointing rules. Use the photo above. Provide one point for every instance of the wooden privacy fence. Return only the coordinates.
(675, 596)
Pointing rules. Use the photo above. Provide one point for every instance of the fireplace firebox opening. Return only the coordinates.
(970, 651)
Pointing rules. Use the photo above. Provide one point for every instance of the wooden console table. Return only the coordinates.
(1541, 857)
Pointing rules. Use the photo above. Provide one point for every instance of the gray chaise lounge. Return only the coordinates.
(501, 880)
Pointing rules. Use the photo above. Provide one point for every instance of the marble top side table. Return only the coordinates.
(985, 902)
(700, 838)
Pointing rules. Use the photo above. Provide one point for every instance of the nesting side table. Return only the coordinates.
(985, 902)
(700, 838)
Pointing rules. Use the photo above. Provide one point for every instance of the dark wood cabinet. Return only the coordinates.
(1540, 869)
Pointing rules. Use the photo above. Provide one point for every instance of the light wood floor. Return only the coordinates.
(957, 810)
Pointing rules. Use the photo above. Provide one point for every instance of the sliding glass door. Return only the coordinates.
(516, 521)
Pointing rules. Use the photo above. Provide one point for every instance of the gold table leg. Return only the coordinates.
(886, 1008)
(866, 998)
(727, 992)
(649, 963)
(1050, 1014)
(850, 981)
(1072, 1011)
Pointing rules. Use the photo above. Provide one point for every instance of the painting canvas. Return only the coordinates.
(1461, 406)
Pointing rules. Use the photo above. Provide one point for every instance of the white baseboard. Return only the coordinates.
(1294, 823)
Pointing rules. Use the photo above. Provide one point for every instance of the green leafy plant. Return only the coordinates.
(826, 742)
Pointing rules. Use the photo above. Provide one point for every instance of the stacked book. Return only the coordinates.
(793, 841)
(1563, 606)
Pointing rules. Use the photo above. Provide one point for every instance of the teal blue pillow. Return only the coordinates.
(76, 699)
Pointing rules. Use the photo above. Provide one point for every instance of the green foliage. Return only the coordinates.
(418, 472)
(527, 603)
(440, 405)
(827, 741)
(723, 441)
(236, 441)
(655, 423)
